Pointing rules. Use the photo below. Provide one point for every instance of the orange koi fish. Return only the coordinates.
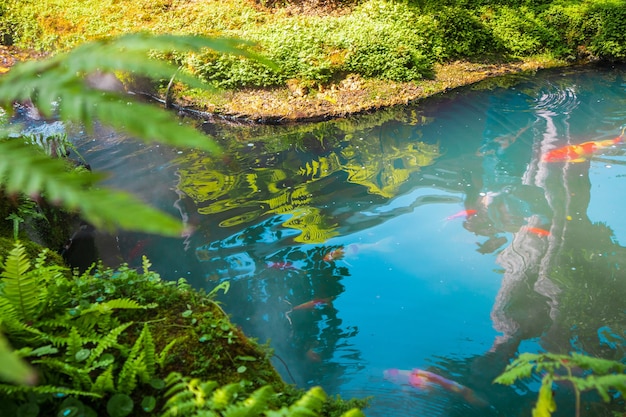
(578, 153)
(317, 302)
(537, 231)
(419, 378)
(334, 255)
(463, 213)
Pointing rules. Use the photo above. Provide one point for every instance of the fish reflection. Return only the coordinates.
(421, 379)
(580, 152)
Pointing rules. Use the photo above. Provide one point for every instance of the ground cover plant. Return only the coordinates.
(328, 51)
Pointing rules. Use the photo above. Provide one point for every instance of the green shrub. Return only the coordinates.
(462, 35)
(520, 31)
(608, 20)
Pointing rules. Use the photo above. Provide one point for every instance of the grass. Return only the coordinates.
(337, 57)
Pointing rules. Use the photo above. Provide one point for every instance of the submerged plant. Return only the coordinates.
(604, 376)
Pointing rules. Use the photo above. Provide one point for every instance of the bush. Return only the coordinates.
(462, 35)
(520, 31)
(608, 21)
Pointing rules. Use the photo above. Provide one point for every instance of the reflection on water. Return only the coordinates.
(432, 237)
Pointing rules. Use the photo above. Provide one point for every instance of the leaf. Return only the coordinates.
(33, 173)
(12, 367)
(120, 405)
(148, 403)
(20, 288)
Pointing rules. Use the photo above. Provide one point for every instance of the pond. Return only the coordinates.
(447, 236)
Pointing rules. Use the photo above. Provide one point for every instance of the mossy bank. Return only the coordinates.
(334, 58)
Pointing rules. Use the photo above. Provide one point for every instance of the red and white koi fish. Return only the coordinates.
(463, 213)
(580, 152)
(419, 378)
(334, 255)
(317, 302)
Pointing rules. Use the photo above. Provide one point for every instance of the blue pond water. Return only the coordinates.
(438, 236)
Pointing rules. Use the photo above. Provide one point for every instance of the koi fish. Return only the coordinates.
(419, 378)
(334, 255)
(578, 153)
(138, 249)
(463, 213)
(317, 302)
(537, 231)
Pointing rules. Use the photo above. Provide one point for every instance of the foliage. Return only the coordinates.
(604, 376)
(383, 39)
(98, 352)
(57, 87)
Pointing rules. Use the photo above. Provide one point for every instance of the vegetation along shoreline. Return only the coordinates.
(332, 58)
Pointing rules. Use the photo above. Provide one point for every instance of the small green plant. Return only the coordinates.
(601, 375)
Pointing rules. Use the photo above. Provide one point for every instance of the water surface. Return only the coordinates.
(431, 236)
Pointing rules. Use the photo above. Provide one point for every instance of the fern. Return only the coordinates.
(140, 363)
(19, 288)
(162, 357)
(149, 351)
(106, 342)
(60, 80)
(32, 172)
(79, 376)
(108, 306)
(104, 382)
(74, 345)
(11, 390)
(606, 376)
(254, 405)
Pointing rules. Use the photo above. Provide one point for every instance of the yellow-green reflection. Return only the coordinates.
(291, 177)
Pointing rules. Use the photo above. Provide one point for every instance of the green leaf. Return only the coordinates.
(120, 405)
(32, 173)
(20, 289)
(148, 403)
(13, 368)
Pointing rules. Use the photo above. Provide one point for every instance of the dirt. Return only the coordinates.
(298, 103)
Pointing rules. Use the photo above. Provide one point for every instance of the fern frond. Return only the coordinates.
(163, 355)
(104, 382)
(32, 172)
(79, 376)
(136, 365)
(19, 288)
(149, 351)
(254, 405)
(107, 307)
(74, 344)
(106, 342)
(224, 396)
(11, 390)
